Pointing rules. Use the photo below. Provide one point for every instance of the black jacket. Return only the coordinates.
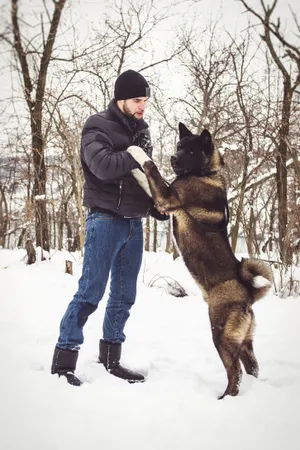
(107, 165)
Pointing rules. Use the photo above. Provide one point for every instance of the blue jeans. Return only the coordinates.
(113, 244)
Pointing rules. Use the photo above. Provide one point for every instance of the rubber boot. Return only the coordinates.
(110, 355)
(64, 364)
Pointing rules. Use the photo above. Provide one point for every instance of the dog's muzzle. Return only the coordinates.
(176, 166)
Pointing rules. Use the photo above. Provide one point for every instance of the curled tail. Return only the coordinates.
(257, 277)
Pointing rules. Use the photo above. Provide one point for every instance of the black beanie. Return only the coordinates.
(131, 84)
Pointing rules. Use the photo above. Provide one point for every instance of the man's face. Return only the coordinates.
(133, 107)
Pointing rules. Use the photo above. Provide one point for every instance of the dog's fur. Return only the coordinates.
(197, 202)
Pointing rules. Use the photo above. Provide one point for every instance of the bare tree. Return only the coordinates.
(286, 56)
(3, 215)
(209, 100)
(120, 44)
(34, 83)
(255, 160)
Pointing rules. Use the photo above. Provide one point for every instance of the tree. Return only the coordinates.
(209, 100)
(33, 65)
(254, 105)
(286, 56)
(117, 43)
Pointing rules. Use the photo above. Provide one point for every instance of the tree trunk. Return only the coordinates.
(60, 229)
(69, 233)
(31, 255)
(21, 238)
(281, 176)
(35, 107)
(53, 226)
(147, 234)
(249, 229)
(155, 235)
(269, 243)
(235, 228)
(271, 231)
(3, 216)
(169, 244)
(75, 244)
(39, 186)
(81, 215)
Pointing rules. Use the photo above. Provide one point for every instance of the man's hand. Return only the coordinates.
(143, 141)
(138, 154)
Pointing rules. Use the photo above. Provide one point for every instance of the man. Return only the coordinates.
(114, 234)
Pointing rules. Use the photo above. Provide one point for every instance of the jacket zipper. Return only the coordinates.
(120, 192)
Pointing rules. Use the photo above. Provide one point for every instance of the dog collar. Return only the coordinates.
(213, 172)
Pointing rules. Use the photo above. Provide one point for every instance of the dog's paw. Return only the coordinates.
(142, 180)
(138, 154)
(160, 207)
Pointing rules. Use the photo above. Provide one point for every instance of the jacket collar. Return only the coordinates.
(129, 123)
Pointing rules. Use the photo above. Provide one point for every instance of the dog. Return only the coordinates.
(196, 201)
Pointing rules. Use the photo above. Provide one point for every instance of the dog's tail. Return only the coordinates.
(257, 277)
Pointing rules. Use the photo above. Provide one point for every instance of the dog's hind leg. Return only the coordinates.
(248, 358)
(229, 354)
(247, 355)
(229, 351)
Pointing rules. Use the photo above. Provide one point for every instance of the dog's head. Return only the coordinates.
(195, 154)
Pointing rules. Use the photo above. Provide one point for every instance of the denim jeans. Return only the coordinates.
(113, 245)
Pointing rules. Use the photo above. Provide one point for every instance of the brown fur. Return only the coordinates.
(227, 283)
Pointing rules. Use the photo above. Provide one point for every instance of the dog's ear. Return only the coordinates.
(207, 144)
(183, 131)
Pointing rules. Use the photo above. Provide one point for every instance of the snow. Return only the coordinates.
(169, 339)
(40, 197)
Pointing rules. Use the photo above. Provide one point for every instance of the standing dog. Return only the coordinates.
(196, 199)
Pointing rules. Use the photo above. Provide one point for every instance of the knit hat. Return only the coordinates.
(131, 84)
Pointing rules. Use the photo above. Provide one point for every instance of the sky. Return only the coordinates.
(169, 340)
(230, 12)
(87, 14)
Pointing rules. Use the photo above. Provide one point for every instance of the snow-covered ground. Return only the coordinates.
(168, 338)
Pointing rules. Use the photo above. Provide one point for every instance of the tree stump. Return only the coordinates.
(69, 267)
(31, 255)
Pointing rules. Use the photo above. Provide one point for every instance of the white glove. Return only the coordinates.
(138, 154)
(142, 180)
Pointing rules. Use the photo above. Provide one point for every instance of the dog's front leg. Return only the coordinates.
(164, 197)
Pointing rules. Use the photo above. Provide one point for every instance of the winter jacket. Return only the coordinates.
(107, 165)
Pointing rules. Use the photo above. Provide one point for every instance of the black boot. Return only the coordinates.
(64, 364)
(110, 355)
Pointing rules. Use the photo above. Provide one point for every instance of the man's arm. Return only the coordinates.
(99, 155)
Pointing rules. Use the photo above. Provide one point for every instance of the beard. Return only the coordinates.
(128, 113)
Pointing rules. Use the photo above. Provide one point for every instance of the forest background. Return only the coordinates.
(232, 67)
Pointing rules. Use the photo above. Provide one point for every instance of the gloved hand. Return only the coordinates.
(143, 141)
